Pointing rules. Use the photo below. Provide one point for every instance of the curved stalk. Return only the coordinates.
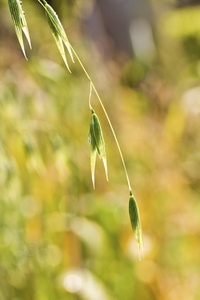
(105, 112)
(43, 2)
(61, 37)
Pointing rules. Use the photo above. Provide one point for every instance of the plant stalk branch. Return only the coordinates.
(107, 117)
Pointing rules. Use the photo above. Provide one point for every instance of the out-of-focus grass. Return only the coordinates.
(59, 239)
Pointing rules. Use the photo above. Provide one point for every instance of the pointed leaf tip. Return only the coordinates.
(135, 222)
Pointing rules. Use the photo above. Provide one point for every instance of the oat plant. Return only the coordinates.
(96, 139)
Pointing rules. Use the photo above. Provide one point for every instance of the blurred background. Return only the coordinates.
(60, 239)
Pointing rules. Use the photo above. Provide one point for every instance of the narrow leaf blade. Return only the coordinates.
(135, 222)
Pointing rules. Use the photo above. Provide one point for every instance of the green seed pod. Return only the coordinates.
(14, 7)
(58, 40)
(19, 22)
(100, 144)
(97, 144)
(55, 20)
(57, 27)
(96, 131)
(135, 221)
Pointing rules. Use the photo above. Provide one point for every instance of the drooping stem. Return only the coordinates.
(43, 3)
(105, 112)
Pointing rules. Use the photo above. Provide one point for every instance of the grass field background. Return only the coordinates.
(60, 239)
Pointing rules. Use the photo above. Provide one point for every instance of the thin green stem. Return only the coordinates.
(90, 95)
(42, 3)
(105, 112)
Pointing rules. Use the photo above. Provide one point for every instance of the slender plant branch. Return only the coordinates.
(97, 141)
(105, 112)
(103, 107)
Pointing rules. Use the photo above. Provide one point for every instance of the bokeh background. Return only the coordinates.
(60, 239)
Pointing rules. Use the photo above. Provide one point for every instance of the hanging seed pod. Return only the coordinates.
(19, 22)
(58, 41)
(97, 145)
(135, 221)
(58, 32)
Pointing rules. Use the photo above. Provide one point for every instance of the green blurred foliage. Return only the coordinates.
(59, 239)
